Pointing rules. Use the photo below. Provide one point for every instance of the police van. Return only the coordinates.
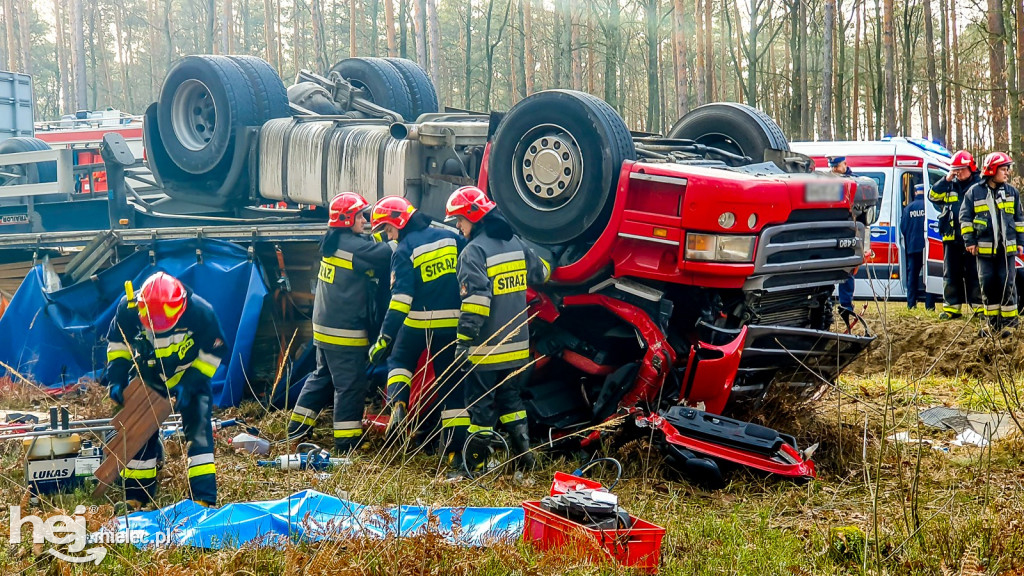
(897, 165)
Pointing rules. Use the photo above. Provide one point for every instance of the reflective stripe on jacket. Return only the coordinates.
(493, 276)
(341, 308)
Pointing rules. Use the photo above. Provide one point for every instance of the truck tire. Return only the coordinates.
(733, 127)
(382, 82)
(36, 173)
(269, 90)
(554, 165)
(421, 88)
(203, 101)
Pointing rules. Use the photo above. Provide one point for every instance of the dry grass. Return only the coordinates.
(878, 507)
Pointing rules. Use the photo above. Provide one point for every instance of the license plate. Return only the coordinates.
(846, 242)
(824, 191)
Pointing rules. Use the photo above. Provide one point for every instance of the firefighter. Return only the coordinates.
(422, 316)
(341, 323)
(494, 269)
(172, 339)
(992, 224)
(959, 269)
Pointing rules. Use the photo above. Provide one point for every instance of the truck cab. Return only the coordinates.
(897, 165)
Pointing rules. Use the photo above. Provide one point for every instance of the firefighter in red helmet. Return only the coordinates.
(493, 270)
(350, 265)
(992, 223)
(422, 316)
(959, 270)
(170, 338)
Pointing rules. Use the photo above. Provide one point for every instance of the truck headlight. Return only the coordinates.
(719, 248)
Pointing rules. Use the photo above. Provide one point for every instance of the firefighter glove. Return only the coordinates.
(381, 349)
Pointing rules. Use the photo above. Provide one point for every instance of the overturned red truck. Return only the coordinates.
(694, 272)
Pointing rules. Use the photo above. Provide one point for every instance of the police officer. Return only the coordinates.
(174, 339)
(422, 316)
(341, 317)
(959, 270)
(494, 269)
(992, 223)
(912, 231)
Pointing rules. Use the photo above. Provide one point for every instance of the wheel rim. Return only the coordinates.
(722, 142)
(547, 166)
(194, 115)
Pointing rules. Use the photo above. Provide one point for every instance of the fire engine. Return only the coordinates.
(693, 272)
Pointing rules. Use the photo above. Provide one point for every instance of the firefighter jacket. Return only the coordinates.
(990, 218)
(494, 271)
(424, 288)
(947, 196)
(182, 358)
(346, 288)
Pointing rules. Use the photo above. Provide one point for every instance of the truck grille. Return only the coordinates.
(812, 248)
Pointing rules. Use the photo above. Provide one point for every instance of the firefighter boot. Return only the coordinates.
(519, 442)
(472, 461)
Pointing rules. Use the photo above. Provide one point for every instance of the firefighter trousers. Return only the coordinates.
(139, 476)
(996, 275)
(959, 278)
(442, 403)
(340, 377)
(493, 396)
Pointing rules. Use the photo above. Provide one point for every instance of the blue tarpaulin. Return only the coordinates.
(310, 516)
(56, 338)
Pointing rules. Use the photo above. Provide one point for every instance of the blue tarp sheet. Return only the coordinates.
(56, 338)
(310, 516)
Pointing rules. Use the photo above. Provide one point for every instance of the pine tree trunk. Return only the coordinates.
(420, 28)
(825, 117)
(611, 59)
(933, 92)
(531, 64)
(709, 53)
(23, 10)
(78, 53)
(574, 49)
(12, 38)
(403, 28)
(211, 25)
(700, 73)
(468, 83)
(653, 97)
(520, 51)
(946, 94)
(794, 57)
(1019, 53)
(374, 27)
(682, 66)
(435, 44)
(122, 58)
(997, 74)
(269, 35)
(353, 50)
(805, 95)
(389, 24)
(62, 60)
(228, 31)
(319, 40)
(591, 48)
(855, 126)
(889, 48)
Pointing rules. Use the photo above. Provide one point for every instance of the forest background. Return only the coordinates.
(947, 70)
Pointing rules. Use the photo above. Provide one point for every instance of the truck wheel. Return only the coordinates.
(204, 99)
(421, 88)
(733, 127)
(554, 165)
(382, 82)
(271, 96)
(35, 173)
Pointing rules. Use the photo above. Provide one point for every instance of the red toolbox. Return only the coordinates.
(637, 547)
